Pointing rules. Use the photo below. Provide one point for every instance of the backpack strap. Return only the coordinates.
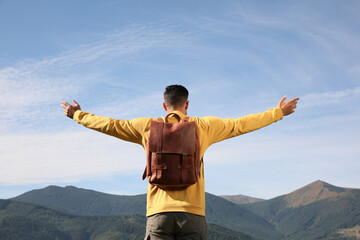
(144, 174)
(160, 119)
(177, 115)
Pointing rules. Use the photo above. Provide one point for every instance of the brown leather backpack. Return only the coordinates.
(173, 153)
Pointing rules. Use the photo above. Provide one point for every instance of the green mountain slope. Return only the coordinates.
(216, 232)
(231, 215)
(28, 221)
(316, 211)
(87, 202)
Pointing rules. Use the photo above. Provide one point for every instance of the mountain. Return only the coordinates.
(233, 216)
(316, 211)
(87, 202)
(241, 199)
(29, 221)
(313, 192)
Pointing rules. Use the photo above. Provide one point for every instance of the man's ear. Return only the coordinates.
(164, 105)
(186, 105)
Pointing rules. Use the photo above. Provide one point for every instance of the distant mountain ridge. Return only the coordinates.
(241, 199)
(313, 192)
(316, 211)
(88, 202)
(80, 201)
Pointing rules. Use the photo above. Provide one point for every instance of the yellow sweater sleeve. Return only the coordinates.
(220, 129)
(128, 130)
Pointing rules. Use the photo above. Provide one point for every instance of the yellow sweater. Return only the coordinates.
(210, 130)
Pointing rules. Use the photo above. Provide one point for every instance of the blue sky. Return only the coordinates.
(235, 57)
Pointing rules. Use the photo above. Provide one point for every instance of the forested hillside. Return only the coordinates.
(87, 202)
(317, 211)
(28, 222)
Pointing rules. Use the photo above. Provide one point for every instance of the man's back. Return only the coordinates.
(210, 130)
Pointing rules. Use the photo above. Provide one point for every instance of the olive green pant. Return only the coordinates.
(176, 225)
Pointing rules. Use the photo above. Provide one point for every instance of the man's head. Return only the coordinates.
(176, 98)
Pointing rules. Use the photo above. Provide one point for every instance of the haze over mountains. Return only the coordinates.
(316, 211)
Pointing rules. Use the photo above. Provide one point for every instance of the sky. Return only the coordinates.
(235, 57)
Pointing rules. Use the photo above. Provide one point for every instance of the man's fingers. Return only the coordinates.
(294, 100)
(288, 107)
(282, 100)
(65, 104)
(70, 109)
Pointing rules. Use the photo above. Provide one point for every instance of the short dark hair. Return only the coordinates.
(175, 96)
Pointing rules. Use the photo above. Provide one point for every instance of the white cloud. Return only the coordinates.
(264, 164)
(65, 157)
(346, 96)
(149, 104)
(296, 48)
(261, 147)
(31, 87)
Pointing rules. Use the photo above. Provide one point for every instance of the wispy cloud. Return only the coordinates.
(346, 96)
(30, 88)
(65, 157)
(265, 159)
(31, 91)
(305, 47)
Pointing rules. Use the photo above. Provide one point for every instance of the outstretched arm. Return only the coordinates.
(128, 130)
(69, 109)
(288, 107)
(220, 129)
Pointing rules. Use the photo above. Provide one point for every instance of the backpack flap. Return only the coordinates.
(180, 138)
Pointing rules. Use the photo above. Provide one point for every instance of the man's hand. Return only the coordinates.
(69, 109)
(288, 107)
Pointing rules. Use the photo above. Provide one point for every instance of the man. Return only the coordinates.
(179, 214)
